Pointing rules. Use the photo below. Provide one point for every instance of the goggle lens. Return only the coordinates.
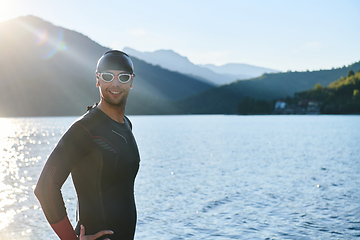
(123, 77)
(107, 77)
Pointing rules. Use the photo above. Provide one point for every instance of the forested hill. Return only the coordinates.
(224, 99)
(340, 97)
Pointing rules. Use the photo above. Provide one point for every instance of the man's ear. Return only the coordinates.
(97, 80)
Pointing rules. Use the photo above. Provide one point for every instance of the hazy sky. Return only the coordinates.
(283, 35)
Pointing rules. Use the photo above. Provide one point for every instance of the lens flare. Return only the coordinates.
(56, 44)
(42, 37)
(49, 39)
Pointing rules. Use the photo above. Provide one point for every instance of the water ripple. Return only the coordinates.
(208, 177)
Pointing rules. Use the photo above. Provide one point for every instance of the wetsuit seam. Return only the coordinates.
(119, 135)
(51, 199)
(59, 218)
(117, 150)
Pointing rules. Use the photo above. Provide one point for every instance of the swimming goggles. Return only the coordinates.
(109, 77)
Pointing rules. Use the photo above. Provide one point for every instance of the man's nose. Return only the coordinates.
(116, 81)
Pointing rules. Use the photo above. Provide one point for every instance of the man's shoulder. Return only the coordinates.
(91, 119)
(127, 121)
(92, 116)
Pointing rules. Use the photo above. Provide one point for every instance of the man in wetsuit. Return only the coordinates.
(101, 154)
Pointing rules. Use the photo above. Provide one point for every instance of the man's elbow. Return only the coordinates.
(42, 191)
(37, 191)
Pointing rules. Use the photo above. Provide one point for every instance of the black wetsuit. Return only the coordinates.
(103, 159)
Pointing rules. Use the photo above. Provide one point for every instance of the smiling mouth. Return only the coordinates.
(114, 92)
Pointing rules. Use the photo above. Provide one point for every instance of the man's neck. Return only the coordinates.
(116, 113)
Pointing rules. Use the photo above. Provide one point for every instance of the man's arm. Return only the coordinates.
(70, 148)
(48, 192)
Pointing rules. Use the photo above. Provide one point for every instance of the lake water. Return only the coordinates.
(207, 176)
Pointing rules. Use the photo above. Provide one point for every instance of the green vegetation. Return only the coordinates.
(339, 97)
(350, 73)
(252, 106)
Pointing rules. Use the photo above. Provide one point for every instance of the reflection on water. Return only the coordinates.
(207, 177)
(23, 143)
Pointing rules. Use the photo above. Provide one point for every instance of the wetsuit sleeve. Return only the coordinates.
(71, 147)
(64, 230)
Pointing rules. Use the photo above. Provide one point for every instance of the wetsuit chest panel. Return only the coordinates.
(119, 153)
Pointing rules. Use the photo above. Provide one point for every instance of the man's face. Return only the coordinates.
(114, 93)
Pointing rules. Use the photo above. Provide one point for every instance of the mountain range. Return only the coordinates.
(48, 70)
(218, 75)
(224, 99)
(239, 70)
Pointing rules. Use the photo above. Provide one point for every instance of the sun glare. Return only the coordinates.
(7, 131)
(22, 144)
(10, 9)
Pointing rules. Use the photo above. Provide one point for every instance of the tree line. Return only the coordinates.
(339, 97)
